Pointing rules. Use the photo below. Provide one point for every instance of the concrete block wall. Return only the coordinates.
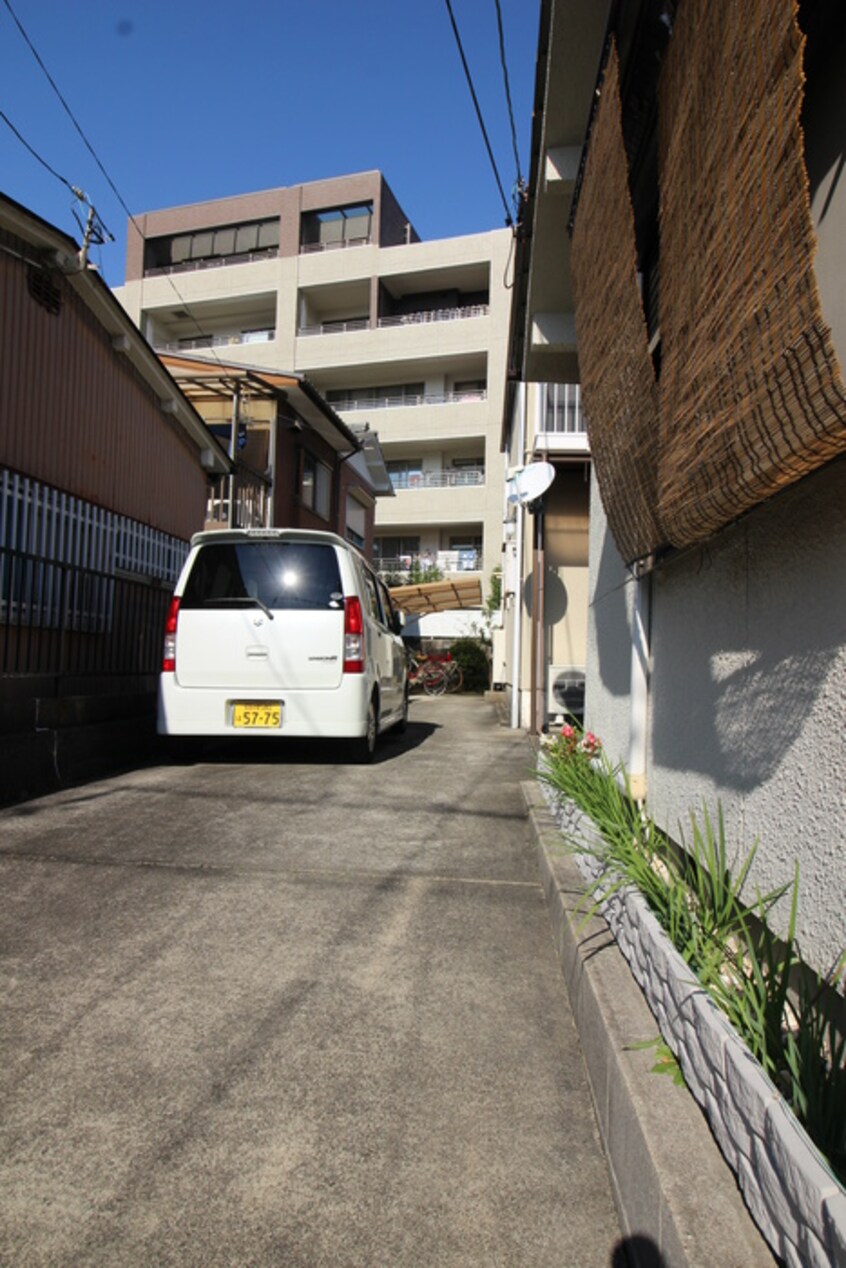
(790, 1191)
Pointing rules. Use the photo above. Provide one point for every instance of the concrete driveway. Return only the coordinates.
(267, 1008)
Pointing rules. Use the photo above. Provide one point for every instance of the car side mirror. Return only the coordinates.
(398, 622)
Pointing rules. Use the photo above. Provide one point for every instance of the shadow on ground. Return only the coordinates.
(185, 751)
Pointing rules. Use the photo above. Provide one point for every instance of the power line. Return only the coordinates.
(508, 217)
(94, 155)
(508, 96)
(73, 188)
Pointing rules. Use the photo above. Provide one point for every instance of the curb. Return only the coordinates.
(672, 1186)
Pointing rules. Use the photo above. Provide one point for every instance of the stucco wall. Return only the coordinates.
(608, 676)
(748, 691)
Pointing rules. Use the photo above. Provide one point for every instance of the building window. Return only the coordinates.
(355, 525)
(400, 550)
(336, 227)
(203, 248)
(406, 473)
(316, 487)
(467, 552)
(471, 389)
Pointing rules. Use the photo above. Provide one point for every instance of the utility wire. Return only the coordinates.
(93, 153)
(68, 110)
(508, 217)
(508, 98)
(73, 188)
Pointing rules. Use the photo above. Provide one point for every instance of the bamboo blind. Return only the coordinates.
(751, 396)
(619, 394)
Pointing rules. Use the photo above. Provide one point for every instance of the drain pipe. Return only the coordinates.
(639, 694)
(517, 616)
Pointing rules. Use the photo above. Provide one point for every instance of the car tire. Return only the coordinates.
(363, 747)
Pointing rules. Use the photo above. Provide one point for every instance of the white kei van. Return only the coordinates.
(281, 632)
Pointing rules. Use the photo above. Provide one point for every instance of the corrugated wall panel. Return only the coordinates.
(77, 415)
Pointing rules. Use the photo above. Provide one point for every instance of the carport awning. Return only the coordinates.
(438, 596)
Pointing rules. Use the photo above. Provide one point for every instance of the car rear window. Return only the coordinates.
(276, 574)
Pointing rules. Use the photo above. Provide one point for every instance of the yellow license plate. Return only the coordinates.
(257, 714)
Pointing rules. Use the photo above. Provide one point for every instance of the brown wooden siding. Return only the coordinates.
(75, 414)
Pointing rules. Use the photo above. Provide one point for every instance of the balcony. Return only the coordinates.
(241, 500)
(347, 405)
(215, 262)
(561, 425)
(216, 341)
(437, 314)
(390, 323)
(311, 248)
(335, 327)
(446, 478)
(448, 561)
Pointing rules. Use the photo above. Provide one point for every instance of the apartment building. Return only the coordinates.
(330, 281)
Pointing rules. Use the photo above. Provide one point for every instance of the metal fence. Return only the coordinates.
(62, 619)
(83, 590)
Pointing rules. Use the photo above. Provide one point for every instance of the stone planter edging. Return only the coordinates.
(792, 1195)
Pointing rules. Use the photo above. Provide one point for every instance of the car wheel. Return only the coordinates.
(364, 746)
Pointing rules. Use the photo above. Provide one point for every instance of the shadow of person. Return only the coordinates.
(637, 1251)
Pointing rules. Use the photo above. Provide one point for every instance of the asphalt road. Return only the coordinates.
(266, 1008)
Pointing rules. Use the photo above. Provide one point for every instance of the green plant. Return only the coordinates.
(473, 659)
(494, 600)
(419, 573)
(695, 893)
(665, 1060)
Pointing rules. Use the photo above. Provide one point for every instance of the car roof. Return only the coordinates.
(269, 535)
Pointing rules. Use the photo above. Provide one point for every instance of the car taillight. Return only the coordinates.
(169, 650)
(353, 636)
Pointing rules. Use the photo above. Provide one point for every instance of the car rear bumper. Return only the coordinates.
(340, 713)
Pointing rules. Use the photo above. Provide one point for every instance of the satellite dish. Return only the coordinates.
(530, 483)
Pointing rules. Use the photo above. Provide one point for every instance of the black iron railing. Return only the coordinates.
(63, 619)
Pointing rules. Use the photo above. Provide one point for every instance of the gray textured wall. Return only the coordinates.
(748, 690)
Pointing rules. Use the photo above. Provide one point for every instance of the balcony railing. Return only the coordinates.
(347, 405)
(214, 262)
(385, 323)
(251, 493)
(336, 327)
(447, 478)
(435, 314)
(446, 560)
(216, 341)
(309, 248)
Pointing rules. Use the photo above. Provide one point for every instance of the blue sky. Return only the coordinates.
(188, 100)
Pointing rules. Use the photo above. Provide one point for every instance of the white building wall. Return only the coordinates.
(748, 692)
(608, 674)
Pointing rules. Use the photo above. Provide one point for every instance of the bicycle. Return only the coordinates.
(452, 670)
(427, 674)
(454, 675)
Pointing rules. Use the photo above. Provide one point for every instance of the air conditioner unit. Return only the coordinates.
(565, 694)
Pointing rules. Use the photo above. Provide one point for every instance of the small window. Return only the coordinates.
(316, 487)
(224, 241)
(406, 473)
(202, 246)
(246, 239)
